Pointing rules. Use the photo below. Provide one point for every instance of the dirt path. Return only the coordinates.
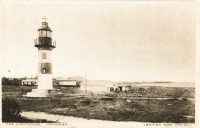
(76, 122)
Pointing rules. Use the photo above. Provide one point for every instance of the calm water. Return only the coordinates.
(176, 84)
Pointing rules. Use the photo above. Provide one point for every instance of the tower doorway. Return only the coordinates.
(44, 71)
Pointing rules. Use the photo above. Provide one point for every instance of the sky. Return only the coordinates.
(107, 40)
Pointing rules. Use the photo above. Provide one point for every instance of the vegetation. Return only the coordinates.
(121, 106)
(11, 112)
(167, 92)
(116, 109)
(12, 81)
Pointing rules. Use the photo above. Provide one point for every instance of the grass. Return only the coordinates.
(112, 106)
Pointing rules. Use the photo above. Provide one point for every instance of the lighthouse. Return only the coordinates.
(45, 45)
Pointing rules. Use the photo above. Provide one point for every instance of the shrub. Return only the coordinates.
(12, 81)
(185, 99)
(10, 110)
(86, 102)
(178, 93)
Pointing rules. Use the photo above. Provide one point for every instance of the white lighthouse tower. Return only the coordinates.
(45, 46)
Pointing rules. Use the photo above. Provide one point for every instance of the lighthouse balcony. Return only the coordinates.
(44, 44)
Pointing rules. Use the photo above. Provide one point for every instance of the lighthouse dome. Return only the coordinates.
(45, 27)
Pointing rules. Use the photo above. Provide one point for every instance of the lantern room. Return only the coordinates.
(45, 30)
(44, 37)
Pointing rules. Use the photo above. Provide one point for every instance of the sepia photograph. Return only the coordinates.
(99, 64)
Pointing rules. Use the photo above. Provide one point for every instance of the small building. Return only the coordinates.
(62, 81)
(96, 85)
(122, 87)
(70, 83)
(30, 81)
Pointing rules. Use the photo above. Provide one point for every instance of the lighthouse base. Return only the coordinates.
(43, 93)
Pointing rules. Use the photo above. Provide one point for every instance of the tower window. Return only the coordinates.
(48, 34)
(44, 33)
